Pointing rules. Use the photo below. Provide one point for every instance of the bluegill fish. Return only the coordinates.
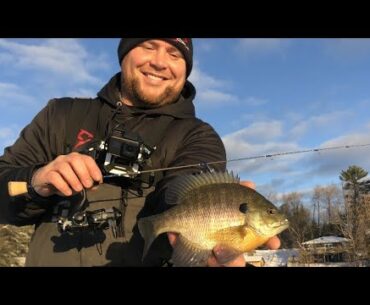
(213, 209)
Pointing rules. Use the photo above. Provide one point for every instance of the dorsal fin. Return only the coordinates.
(182, 185)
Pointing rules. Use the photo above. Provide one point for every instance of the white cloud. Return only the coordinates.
(211, 90)
(300, 129)
(5, 132)
(5, 58)
(62, 57)
(259, 139)
(216, 97)
(81, 93)
(257, 132)
(365, 103)
(8, 135)
(205, 46)
(278, 187)
(327, 165)
(294, 116)
(275, 165)
(272, 186)
(260, 46)
(214, 91)
(327, 120)
(245, 119)
(358, 138)
(11, 95)
(202, 80)
(297, 171)
(254, 101)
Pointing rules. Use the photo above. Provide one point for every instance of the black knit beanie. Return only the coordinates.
(184, 45)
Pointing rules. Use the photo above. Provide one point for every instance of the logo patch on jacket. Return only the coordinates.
(83, 137)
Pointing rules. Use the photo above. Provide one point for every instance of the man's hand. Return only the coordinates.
(224, 257)
(66, 175)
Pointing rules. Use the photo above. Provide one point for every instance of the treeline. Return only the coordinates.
(332, 210)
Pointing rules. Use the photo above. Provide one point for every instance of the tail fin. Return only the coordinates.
(148, 232)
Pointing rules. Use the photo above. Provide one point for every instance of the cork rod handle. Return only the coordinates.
(17, 188)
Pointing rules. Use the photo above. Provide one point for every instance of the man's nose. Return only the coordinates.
(159, 60)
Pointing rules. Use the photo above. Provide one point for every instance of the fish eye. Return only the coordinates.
(243, 208)
(271, 211)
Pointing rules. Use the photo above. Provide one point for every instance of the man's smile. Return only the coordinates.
(154, 76)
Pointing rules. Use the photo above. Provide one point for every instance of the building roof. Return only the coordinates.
(364, 179)
(326, 240)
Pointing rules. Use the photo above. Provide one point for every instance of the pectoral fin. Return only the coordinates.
(188, 254)
(240, 238)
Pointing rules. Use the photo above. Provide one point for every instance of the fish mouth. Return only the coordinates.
(280, 227)
(276, 228)
(282, 224)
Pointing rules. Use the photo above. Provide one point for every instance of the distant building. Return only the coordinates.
(271, 258)
(255, 260)
(364, 185)
(328, 249)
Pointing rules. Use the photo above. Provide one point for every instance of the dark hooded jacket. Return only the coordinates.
(180, 139)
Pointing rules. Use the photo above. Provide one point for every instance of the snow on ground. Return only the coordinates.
(274, 258)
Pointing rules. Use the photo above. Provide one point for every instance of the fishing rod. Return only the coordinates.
(251, 158)
(16, 188)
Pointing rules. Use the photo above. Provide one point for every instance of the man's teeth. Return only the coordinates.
(154, 77)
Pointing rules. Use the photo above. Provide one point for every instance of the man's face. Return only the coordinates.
(154, 73)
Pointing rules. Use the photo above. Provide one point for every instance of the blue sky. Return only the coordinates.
(261, 95)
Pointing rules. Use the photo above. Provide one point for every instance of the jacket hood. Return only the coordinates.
(182, 108)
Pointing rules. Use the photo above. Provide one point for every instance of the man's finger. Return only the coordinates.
(239, 261)
(69, 176)
(58, 184)
(273, 243)
(93, 169)
(172, 238)
(224, 254)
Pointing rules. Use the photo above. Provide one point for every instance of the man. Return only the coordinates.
(150, 102)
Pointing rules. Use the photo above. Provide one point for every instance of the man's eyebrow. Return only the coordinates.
(148, 42)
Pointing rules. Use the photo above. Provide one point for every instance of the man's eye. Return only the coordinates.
(175, 55)
(148, 47)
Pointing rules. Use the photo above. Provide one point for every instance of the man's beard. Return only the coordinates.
(131, 88)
